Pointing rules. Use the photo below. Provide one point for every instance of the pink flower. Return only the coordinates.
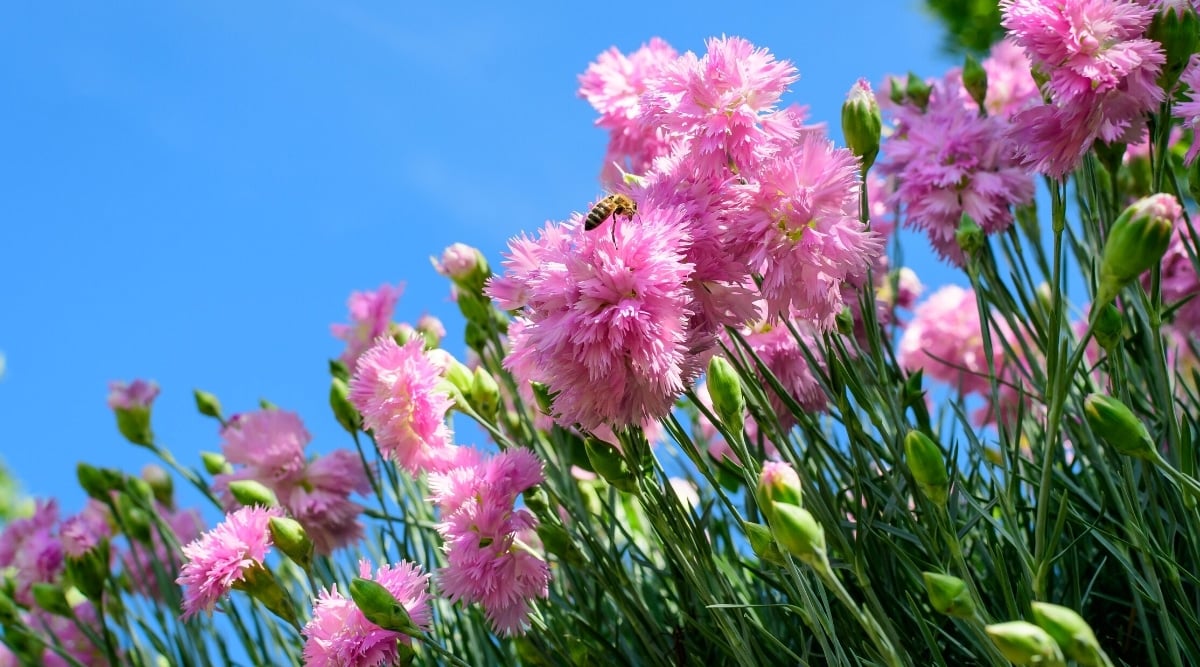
(220, 558)
(948, 161)
(802, 230)
(606, 324)
(945, 339)
(320, 499)
(1189, 112)
(269, 443)
(724, 104)
(613, 85)
(1011, 87)
(458, 261)
(84, 531)
(1102, 76)
(487, 563)
(396, 389)
(68, 635)
(30, 547)
(136, 394)
(1179, 279)
(339, 635)
(781, 353)
(370, 317)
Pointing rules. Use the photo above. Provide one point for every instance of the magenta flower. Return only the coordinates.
(30, 547)
(945, 339)
(458, 261)
(1101, 73)
(339, 635)
(781, 353)
(268, 443)
(606, 323)
(320, 499)
(1189, 112)
(396, 389)
(84, 531)
(136, 394)
(948, 161)
(1179, 279)
(370, 317)
(1011, 87)
(220, 558)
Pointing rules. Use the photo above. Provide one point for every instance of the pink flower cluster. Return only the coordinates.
(945, 339)
(1101, 77)
(31, 547)
(268, 446)
(221, 558)
(370, 318)
(487, 562)
(339, 635)
(619, 321)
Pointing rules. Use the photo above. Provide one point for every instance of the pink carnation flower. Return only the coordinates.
(1011, 87)
(30, 547)
(458, 261)
(269, 443)
(136, 394)
(220, 558)
(782, 354)
(945, 339)
(396, 389)
(370, 317)
(1179, 279)
(339, 635)
(1189, 112)
(948, 161)
(1101, 73)
(84, 531)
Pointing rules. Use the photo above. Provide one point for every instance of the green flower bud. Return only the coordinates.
(1178, 30)
(1137, 241)
(1117, 426)
(558, 541)
(918, 91)
(949, 595)
(292, 540)
(250, 492)
(485, 394)
(798, 532)
(777, 483)
(260, 584)
(975, 80)
(381, 607)
(134, 424)
(970, 237)
(90, 571)
(460, 376)
(928, 467)
(763, 543)
(725, 388)
(207, 404)
(1025, 644)
(844, 321)
(1110, 326)
(861, 123)
(51, 598)
(1110, 155)
(99, 483)
(896, 91)
(266, 404)
(545, 401)
(339, 370)
(343, 410)
(161, 484)
(215, 463)
(140, 489)
(608, 462)
(133, 519)
(1070, 632)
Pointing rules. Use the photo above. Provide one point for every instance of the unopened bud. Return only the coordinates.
(861, 123)
(250, 492)
(763, 543)
(844, 321)
(558, 541)
(99, 483)
(161, 484)
(896, 90)
(432, 329)
(1073, 635)
(1109, 327)
(798, 532)
(292, 540)
(1116, 425)
(970, 237)
(215, 463)
(1137, 241)
(485, 394)
(1025, 644)
(381, 607)
(134, 424)
(132, 518)
(343, 410)
(725, 389)
(460, 376)
(608, 462)
(207, 404)
(975, 80)
(51, 598)
(928, 467)
(949, 595)
(918, 91)
(778, 483)
(1177, 29)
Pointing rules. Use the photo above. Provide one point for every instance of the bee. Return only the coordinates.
(610, 206)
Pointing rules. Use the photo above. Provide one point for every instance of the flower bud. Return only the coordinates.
(292, 540)
(343, 410)
(89, 571)
(763, 543)
(1117, 426)
(1070, 632)
(896, 91)
(778, 483)
(970, 237)
(134, 424)
(1025, 644)
(260, 584)
(465, 266)
(949, 595)
(928, 467)
(381, 607)
(1177, 29)
(1109, 327)
(798, 532)
(251, 492)
(460, 376)
(161, 484)
(215, 463)
(432, 329)
(133, 519)
(558, 541)
(861, 123)
(975, 80)
(844, 321)
(541, 394)
(99, 483)
(608, 462)
(51, 598)
(918, 91)
(1137, 241)
(725, 389)
(207, 404)
(485, 394)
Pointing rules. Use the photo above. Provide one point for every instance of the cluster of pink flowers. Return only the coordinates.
(1101, 76)
(339, 635)
(31, 547)
(729, 186)
(949, 160)
(268, 446)
(370, 318)
(221, 558)
(487, 562)
(945, 339)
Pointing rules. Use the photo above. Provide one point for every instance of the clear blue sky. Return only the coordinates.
(192, 189)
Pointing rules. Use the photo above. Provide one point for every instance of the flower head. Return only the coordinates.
(137, 394)
(269, 443)
(370, 317)
(945, 339)
(220, 558)
(30, 547)
(1189, 111)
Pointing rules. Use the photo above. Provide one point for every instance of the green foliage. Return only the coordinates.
(972, 26)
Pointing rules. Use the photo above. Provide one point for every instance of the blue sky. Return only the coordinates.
(191, 190)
